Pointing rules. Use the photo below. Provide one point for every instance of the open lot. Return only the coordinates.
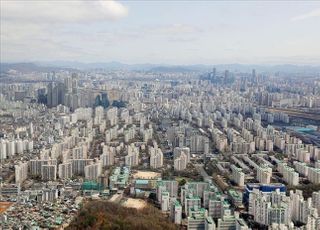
(134, 203)
(146, 175)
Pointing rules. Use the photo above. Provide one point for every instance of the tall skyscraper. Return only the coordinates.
(253, 73)
(56, 94)
(214, 72)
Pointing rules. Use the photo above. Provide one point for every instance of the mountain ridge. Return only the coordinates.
(112, 66)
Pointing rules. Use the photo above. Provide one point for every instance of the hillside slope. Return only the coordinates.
(106, 215)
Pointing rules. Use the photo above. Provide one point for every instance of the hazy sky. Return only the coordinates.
(172, 32)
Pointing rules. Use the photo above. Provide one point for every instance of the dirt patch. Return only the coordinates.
(4, 206)
(146, 175)
(134, 203)
(115, 198)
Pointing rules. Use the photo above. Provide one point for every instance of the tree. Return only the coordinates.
(182, 182)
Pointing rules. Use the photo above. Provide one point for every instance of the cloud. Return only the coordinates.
(311, 14)
(42, 29)
(174, 29)
(78, 11)
(115, 9)
(182, 39)
(178, 33)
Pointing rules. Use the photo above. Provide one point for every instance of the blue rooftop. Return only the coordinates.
(145, 182)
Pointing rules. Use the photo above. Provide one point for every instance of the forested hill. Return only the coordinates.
(106, 215)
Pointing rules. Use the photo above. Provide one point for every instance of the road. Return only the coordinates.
(203, 172)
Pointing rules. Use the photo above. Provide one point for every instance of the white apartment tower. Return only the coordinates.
(156, 157)
(93, 171)
(65, 170)
(49, 172)
(264, 174)
(237, 175)
(21, 172)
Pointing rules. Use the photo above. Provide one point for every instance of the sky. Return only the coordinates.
(166, 32)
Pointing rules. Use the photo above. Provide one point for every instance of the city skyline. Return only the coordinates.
(152, 32)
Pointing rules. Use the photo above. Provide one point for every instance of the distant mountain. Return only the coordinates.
(26, 67)
(123, 66)
(162, 68)
(287, 68)
(83, 66)
(171, 69)
(184, 68)
(97, 65)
